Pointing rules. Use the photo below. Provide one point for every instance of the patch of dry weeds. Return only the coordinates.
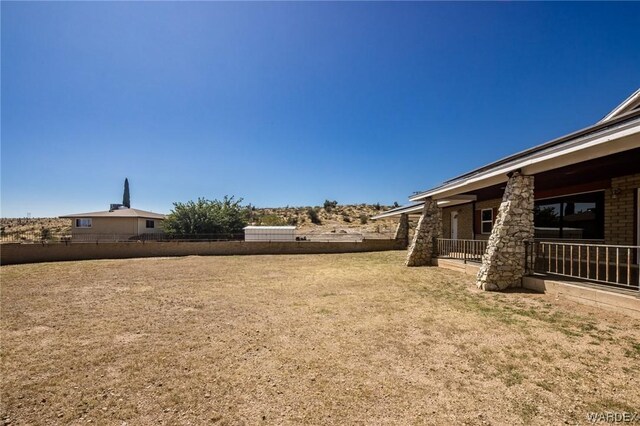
(311, 339)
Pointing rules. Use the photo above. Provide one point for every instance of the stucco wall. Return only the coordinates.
(108, 225)
(33, 253)
(142, 227)
(118, 226)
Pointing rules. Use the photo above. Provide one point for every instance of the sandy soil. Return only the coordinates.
(53, 224)
(340, 219)
(309, 339)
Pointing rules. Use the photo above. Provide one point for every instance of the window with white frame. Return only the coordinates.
(83, 223)
(151, 224)
(486, 221)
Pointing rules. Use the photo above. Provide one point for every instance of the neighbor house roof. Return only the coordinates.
(594, 141)
(126, 212)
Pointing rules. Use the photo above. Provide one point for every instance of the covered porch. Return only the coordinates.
(567, 211)
(615, 266)
(586, 222)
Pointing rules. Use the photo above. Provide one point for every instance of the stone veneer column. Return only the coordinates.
(429, 228)
(503, 263)
(402, 231)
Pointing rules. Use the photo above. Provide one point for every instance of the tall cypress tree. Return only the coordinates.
(126, 200)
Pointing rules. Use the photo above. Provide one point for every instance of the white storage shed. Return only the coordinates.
(269, 233)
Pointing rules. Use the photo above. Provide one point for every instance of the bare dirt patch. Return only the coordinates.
(311, 339)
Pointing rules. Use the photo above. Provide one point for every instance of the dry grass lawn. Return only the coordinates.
(309, 339)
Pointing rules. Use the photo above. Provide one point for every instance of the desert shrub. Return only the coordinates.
(364, 219)
(226, 216)
(346, 218)
(271, 220)
(45, 234)
(330, 205)
(293, 221)
(395, 204)
(313, 216)
(377, 206)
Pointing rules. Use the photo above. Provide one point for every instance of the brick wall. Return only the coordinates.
(481, 205)
(465, 221)
(34, 253)
(620, 214)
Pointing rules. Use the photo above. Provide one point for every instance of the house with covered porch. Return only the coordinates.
(567, 208)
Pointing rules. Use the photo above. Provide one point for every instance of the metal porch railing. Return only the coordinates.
(465, 250)
(608, 264)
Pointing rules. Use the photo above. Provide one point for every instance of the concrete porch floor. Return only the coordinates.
(469, 268)
(602, 296)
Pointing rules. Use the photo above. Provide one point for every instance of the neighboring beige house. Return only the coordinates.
(118, 223)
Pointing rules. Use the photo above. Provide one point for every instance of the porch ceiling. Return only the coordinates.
(592, 171)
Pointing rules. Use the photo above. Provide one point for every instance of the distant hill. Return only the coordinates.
(341, 218)
(53, 224)
(354, 218)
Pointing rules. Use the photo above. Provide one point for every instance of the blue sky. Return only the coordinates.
(291, 103)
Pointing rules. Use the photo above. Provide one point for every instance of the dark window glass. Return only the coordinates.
(486, 227)
(487, 221)
(574, 217)
(546, 217)
(150, 224)
(83, 223)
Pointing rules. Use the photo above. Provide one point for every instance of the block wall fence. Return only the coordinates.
(11, 254)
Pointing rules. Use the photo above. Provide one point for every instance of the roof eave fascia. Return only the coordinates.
(417, 209)
(93, 216)
(635, 96)
(591, 130)
(585, 142)
(399, 211)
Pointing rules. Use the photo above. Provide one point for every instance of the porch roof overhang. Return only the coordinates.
(417, 207)
(605, 138)
(408, 209)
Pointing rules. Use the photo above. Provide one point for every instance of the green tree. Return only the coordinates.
(126, 199)
(226, 216)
